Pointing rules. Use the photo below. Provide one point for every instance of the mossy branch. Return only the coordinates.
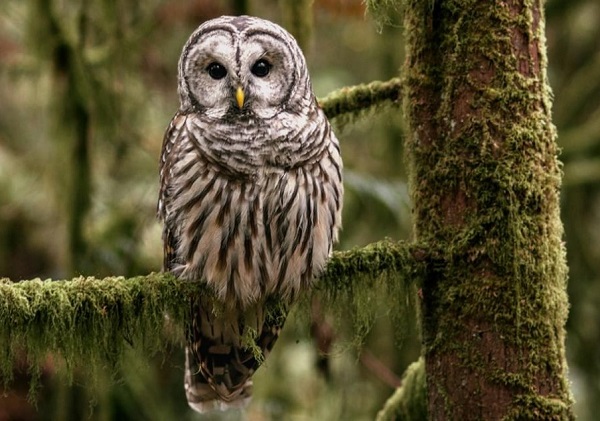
(409, 401)
(90, 322)
(346, 104)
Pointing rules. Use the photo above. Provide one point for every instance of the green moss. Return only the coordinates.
(409, 401)
(90, 323)
(532, 407)
(382, 10)
(346, 105)
(369, 282)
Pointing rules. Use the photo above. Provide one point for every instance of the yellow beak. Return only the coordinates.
(239, 97)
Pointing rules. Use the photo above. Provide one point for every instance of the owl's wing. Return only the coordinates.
(173, 135)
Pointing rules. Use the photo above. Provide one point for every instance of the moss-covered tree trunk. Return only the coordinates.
(485, 180)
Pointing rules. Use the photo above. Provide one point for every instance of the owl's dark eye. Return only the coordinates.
(216, 70)
(261, 68)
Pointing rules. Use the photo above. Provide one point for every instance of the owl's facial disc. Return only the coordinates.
(241, 68)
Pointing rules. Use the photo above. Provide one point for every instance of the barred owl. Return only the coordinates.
(250, 196)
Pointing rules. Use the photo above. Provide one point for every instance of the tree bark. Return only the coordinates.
(485, 185)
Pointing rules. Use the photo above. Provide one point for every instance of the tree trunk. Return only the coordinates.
(485, 184)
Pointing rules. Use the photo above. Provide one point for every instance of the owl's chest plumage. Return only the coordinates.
(250, 230)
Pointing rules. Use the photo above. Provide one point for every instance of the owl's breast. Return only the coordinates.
(252, 239)
(253, 214)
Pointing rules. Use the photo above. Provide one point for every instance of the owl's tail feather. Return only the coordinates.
(204, 397)
(219, 366)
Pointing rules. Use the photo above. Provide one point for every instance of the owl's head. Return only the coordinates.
(242, 66)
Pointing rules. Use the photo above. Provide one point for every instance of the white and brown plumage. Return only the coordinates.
(250, 195)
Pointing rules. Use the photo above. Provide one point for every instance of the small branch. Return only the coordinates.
(379, 369)
(360, 98)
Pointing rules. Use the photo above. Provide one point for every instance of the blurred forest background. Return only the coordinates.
(87, 89)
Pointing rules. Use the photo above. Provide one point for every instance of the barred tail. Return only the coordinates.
(202, 396)
(218, 365)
